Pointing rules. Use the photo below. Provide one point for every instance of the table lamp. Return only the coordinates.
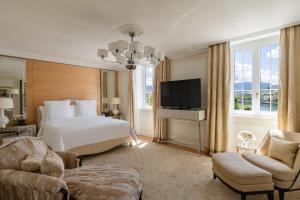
(115, 101)
(13, 91)
(246, 137)
(5, 103)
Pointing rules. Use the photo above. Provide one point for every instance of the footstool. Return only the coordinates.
(104, 182)
(241, 176)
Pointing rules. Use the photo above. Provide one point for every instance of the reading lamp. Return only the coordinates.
(115, 101)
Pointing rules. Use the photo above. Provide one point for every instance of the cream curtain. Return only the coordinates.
(161, 73)
(289, 93)
(131, 99)
(218, 96)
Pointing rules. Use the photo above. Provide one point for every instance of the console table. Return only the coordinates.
(193, 115)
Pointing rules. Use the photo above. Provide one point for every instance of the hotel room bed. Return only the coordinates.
(85, 135)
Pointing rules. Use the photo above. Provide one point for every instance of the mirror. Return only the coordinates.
(109, 88)
(12, 83)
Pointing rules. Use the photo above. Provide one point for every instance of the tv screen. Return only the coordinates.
(183, 94)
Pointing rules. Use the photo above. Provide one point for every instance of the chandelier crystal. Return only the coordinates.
(131, 54)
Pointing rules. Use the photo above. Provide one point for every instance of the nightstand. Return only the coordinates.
(15, 131)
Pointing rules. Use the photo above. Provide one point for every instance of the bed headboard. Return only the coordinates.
(54, 81)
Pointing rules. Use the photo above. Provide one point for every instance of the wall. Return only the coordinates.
(54, 81)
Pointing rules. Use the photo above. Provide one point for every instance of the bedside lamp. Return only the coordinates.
(12, 91)
(115, 101)
(5, 103)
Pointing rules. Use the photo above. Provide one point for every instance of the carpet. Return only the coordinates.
(172, 174)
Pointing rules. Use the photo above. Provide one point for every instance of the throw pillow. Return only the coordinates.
(31, 164)
(52, 165)
(283, 150)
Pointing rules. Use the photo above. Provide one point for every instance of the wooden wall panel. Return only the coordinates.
(54, 81)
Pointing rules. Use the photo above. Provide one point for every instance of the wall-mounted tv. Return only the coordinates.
(182, 94)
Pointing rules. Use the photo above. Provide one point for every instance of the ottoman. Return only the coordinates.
(242, 176)
(106, 182)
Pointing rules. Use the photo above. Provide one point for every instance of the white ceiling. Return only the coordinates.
(73, 30)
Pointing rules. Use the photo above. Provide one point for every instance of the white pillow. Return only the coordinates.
(86, 108)
(58, 110)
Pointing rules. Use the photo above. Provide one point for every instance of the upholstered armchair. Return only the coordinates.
(80, 183)
(286, 178)
(17, 184)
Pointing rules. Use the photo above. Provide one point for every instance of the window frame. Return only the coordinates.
(145, 105)
(255, 46)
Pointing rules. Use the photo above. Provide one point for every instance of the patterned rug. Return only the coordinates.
(172, 174)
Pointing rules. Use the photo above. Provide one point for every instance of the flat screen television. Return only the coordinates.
(182, 94)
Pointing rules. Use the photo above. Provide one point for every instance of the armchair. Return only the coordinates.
(78, 183)
(285, 178)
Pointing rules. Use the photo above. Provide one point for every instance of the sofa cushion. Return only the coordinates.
(279, 170)
(283, 150)
(31, 164)
(14, 152)
(103, 182)
(52, 165)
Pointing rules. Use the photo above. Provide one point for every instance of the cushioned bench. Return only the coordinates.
(242, 176)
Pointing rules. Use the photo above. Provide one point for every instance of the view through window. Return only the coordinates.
(148, 86)
(256, 78)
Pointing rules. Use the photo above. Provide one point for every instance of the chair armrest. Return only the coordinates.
(71, 160)
(29, 182)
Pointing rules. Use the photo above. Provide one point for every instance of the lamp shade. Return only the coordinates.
(102, 53)
(115, 100)
(118, 47)
(6, 103)
(149, 51)
(13, 91)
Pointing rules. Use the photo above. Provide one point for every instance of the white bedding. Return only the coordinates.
(76, 132)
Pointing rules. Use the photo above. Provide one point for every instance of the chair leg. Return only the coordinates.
(281, 194)
(271, 195)
(243, 196)
(215, 176)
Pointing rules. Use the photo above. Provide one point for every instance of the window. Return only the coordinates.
(256, 77)
(243, 80)
(269, 82)
(148, 86)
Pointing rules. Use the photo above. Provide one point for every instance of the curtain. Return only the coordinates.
(218, 96)
(131, 99)
(161, 73)
(289, 92)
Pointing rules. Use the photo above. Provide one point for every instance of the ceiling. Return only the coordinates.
(72, 30)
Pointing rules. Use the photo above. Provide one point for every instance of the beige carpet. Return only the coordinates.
(169, 173)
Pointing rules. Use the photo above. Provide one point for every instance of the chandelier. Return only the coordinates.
(131, 54)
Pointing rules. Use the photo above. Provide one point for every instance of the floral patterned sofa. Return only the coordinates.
(88, 182)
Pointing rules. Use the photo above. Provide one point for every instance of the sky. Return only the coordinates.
(269, 65)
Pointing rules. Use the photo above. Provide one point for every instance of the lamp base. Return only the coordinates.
(115, 112)
(3, 119)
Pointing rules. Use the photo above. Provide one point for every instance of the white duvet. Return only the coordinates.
(76, 132)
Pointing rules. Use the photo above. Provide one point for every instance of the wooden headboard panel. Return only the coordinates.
(54, 81)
